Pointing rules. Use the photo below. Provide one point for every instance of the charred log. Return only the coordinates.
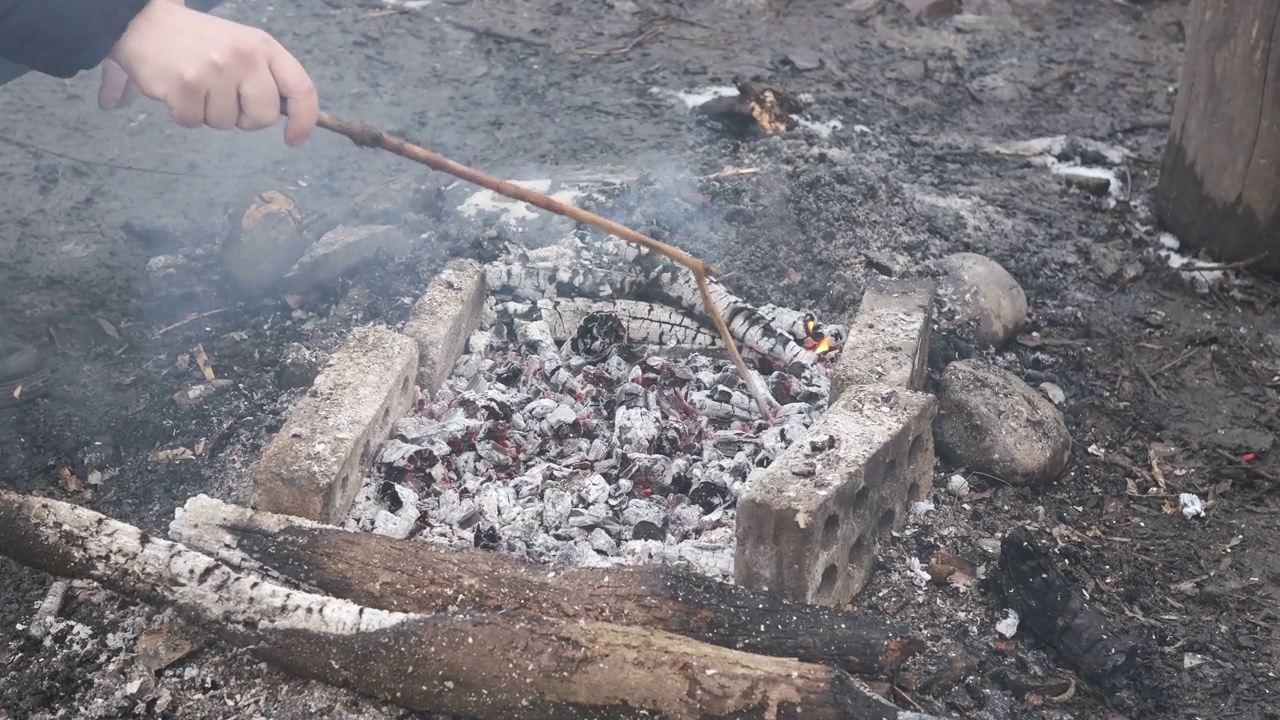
(1056, 611)
(416, 577)
(483, 666)
(559, 271)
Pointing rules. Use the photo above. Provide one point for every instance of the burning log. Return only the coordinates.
(416, 577)
(644, 323)
(633, 272)
(483, 665)
(767, 108)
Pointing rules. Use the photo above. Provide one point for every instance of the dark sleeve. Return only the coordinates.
(63, 37)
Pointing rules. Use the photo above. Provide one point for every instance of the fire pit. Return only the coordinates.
(594, 419)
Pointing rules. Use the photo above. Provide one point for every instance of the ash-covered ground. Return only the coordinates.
(1167, 378)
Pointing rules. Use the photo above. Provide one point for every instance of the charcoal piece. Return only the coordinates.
(645, 530)
(636, 429)
(602, 543)
(709, 495)
(649, 474)
(556, 505)
(593, 489)
(1056, 612)
(387, 493)
(487, 538)
(598, 335)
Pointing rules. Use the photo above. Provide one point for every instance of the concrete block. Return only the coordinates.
(889, 338)
(314, 466)
(444, 318)
(809, 526)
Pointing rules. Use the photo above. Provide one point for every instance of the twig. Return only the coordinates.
(496, 34)
(645, 36)
(1256, 472)
(190, 319)
(1150, 381)
(1237, 265)
(731, 172)
(364, 135)
(1185, 354)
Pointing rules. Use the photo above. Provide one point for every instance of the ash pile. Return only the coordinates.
(596, 418)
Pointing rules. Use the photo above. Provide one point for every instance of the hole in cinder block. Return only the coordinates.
(859, 550)
(885, 524)
(916, 450)
(406, 385)
(830, 531)
(366, 451)
(890, 467)
(386, 416)
(860, 499)
(915, 493)
(827, 586)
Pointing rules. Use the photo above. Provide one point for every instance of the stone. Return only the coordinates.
(444, 318)
(975, 289)
(992, 422)
(931, 9)
(813, 536)
(313, 467)
(804, 59)
(343, 248)
(888, 341)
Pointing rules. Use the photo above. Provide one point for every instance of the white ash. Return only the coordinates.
(594, 432)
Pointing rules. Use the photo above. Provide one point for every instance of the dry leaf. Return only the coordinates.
(1168, 508)
(172, 455)
(948, 567)
(95, 477)
(293, 301)
(793, 276)
(109, 329)
(17, 392)
(158, 648)
(70, 482)
(203, 361)
(1156, 472)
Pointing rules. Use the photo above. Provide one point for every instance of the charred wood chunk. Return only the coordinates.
(1056, 612)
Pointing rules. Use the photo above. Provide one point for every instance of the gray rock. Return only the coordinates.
(976, 289)
(343, 248)
(992, 422)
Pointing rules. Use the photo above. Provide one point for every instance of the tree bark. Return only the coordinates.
(1220, 180)
(414, 576)
(481, 665)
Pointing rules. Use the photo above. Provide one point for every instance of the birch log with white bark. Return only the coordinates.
(416, 576)
(482, 666)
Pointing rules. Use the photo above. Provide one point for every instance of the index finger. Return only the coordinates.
(298, 95)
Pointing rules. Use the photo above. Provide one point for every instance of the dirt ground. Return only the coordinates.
(1164, 382)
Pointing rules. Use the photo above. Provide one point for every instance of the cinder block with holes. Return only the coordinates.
(443, 320)
(313, 467)
(809, 526)
(888, 338)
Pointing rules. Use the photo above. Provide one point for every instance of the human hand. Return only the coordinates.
(116, 89)
(210, 71)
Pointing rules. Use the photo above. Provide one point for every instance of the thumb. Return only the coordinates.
(115, 81)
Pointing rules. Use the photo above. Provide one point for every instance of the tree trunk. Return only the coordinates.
(419, 577)
(482, 665)
(1220, 181)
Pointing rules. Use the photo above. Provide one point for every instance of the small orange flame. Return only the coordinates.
(823, 347)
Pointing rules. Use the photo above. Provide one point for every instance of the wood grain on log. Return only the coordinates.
(1056, 611)
(482, 666)
(1220, 180)
(413, 576)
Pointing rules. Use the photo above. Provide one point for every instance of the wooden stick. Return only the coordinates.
(484, 665)
(413, 576)
(366, 136)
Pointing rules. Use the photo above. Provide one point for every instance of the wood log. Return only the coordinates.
(1054, 610)
(1220, 180)
(478, 665)
(418, 577)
